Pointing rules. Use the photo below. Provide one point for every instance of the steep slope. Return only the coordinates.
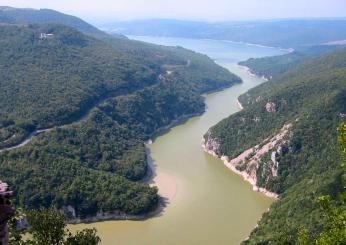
(100, 105)
(12, 15)
(52, 81)
(285, 141)
(275, 65)
(149, 55)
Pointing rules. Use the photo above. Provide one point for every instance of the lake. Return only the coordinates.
(207, 203)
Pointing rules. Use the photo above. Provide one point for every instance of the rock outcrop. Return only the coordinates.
(6, 212)
(249, 162)
(211, 145)
(271, 107)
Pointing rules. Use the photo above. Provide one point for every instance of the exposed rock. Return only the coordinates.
(275, 163)
(46, 35)
(162, 77)
(116, 215)
(69, 211)
(271, 107)
(211, 144)
(6, 212)
(258, 99)
(240, 105)
(251, 158)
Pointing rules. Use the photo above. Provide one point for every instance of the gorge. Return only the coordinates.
(197, 187)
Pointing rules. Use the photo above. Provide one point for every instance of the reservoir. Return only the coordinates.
(206, 202)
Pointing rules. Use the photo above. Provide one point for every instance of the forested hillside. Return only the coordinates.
(53, 81)
(275, 65)
(47, 16)
(289, 127)
(101, 100)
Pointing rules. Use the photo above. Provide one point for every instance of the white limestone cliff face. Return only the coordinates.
(211, 145)
(271, 107)
(248, 162)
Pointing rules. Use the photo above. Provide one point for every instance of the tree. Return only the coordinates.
(48, 227)
(84, 237)
(334, 233)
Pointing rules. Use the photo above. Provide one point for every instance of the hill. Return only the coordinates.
(290, 33)
(96, 104)
(47, 16)
(275, 65)
(285, 141)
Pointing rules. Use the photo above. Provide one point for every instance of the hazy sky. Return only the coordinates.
(211, 10)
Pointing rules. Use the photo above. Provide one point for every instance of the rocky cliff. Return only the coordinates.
(6, 212)
(257, 164)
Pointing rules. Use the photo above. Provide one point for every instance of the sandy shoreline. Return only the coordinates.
(169, 185)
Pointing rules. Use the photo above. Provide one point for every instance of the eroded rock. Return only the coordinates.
(271, 107)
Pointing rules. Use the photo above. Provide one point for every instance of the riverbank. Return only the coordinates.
(232, 167)
(152, 178)
(204, 188)
(106, 216)
(240, 105)
(249, 178)
(168, 184)
(254, 74)
(175, 122)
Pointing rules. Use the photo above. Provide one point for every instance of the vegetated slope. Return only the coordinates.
(306, 162)
(279, 33)
(275, 65)
(149, 55)
(92, 164)
(53, 81)
(12, 15)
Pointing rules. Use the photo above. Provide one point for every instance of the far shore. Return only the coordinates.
(253, 73)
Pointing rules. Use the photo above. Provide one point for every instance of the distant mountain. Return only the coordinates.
(285, 141)
(162, 27)
(278, 33)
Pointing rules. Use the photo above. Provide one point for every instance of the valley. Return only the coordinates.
(181, 132)
(197, 186)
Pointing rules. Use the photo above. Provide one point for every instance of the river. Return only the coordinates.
(207, 203)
